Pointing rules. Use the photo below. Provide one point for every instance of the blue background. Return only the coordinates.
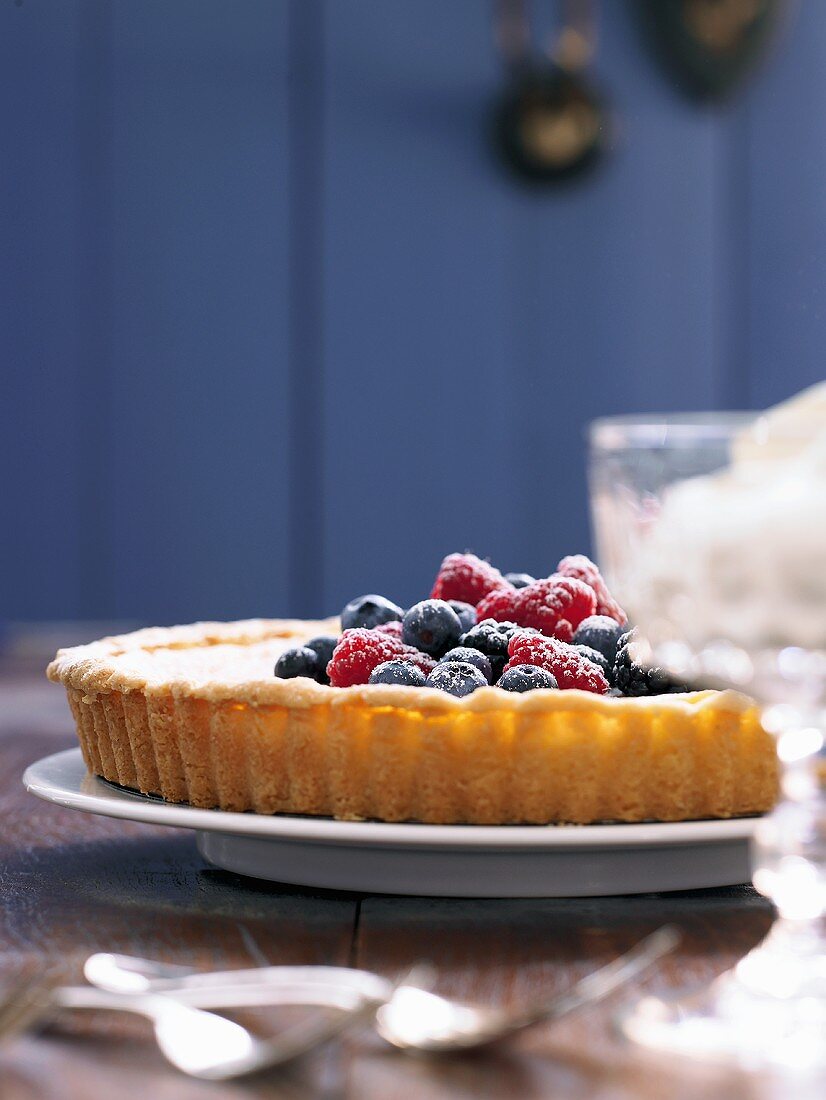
(277, 330)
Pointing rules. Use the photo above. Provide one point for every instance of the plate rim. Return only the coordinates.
(92, 794)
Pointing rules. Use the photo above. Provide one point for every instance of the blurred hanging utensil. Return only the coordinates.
(551, 123)
(711, 46)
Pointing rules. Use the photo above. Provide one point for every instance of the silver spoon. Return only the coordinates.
(205, 1045)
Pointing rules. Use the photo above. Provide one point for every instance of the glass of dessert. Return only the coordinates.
(711, 530)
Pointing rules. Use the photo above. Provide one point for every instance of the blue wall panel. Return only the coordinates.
(473, 326)
(786, 321)
(418, 298)
(277, 328)
(194, 458)
(41, 404)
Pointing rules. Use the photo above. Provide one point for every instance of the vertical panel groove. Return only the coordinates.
(306, 157)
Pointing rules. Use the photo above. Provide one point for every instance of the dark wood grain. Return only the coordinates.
(72, 883)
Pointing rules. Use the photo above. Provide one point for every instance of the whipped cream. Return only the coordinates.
(740, 555)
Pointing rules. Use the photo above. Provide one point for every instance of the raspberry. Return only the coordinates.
(569, 667)
(467, 578)
(359, 651)
(583, 569)
(394, 629)
(555, 606)
(498, 604)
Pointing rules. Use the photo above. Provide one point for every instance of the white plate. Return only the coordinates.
(427, 860)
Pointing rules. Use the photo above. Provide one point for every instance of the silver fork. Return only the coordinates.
(199, 1043)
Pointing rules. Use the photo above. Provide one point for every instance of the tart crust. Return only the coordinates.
(194, 714)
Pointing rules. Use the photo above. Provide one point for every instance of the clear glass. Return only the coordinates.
(771, 1009)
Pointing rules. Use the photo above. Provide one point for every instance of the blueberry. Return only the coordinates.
(397, 672)
(526, 678)
(301, 661)
(469, 657)
(466, 613)
(491, 638)
(598, 659)
(456, 678)
(369, 611)
(432, 626)
(323, 647)
(600, 633)
(519, 580)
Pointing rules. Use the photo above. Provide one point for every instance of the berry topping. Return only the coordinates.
(301, 661)
(397, 672)
(632, 678)
(359, 651)
(369, 611)
(470, 657)
(566, 629)
(519, 580)
(596, 658)
(491, 638)
(323, 647)
(393, 628)
(555, 606)
(499, 604)
(456, 678)
(601, 633)
(466, 612)
(583, 569)
(465, 577)
(569, 667)
(432, 626)
(527, 678)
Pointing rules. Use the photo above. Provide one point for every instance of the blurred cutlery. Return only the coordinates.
(407, 1017)
(199, 1043)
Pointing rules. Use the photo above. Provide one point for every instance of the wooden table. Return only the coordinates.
(72, 884)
